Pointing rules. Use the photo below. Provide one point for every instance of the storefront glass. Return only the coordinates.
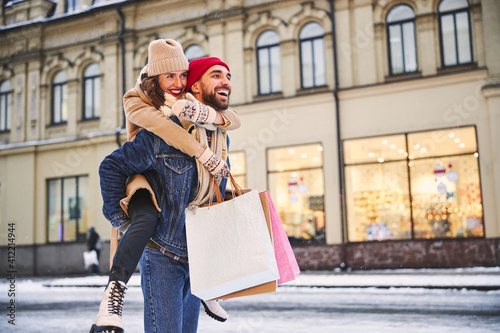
(67, 209)
(433, 191)
(237, 161)
(296, 186)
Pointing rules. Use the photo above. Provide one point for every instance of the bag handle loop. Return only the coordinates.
(236, 187)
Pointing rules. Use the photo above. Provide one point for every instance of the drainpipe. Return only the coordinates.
(122, 48)
(343, 265)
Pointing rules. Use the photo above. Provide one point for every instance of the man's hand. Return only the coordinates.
(214, 164)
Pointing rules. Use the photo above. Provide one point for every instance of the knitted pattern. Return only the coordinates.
(165, 55)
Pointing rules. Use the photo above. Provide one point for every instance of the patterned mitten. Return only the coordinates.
(194, 111)
(214, 164)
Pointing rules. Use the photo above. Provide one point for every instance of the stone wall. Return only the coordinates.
(400, 254)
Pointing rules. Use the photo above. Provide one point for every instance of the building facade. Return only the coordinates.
(372, 123)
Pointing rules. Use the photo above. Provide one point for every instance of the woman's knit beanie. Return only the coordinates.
(166, 55)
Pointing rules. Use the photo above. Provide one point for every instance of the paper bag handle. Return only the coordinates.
(236, 187)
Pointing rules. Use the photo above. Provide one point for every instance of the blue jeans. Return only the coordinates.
(169, 305)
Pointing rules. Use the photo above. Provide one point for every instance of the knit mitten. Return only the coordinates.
(214, 164)
(166, 108)
(194, 111)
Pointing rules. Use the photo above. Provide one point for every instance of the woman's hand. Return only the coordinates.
(214, 164)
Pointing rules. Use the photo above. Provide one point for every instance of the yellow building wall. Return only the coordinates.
(426, 104)
(18, 196)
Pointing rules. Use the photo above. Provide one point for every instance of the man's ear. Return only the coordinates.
(195, 88)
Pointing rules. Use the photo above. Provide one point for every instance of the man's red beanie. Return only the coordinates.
(198, 67)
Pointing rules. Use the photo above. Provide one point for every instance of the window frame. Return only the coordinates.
(409, 160)
(269, 67)
(71, 6)
(6, 107)
(92, 78)
(401, 23)
(78, 219)
(60, 86)
(310, 41)
(454, 13)
(321, 168)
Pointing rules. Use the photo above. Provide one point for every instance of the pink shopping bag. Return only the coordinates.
(287, 264)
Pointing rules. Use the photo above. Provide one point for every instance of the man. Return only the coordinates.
(169, 304)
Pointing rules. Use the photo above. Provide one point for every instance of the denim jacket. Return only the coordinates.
(172, 175)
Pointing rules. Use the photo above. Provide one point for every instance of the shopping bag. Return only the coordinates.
(229, 246)
(287, 264)
(267, 287)
(90, 258)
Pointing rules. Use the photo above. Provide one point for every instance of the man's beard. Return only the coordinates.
(210, 98)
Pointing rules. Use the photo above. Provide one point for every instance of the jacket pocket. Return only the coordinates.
(178, 173)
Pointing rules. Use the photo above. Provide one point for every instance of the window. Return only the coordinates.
(67, 209)
(401, 40)
(268, 63)
(312, 55)
(237, 161)
(296, 186)
(71, 5)
(422, 185)
(59, 98)
(455, 32)
(194, 52)
(5, 105)
(91, 92)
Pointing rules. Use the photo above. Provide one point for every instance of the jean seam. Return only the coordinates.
(150, 289)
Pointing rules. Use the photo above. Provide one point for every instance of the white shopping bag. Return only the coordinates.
(229, 248)
(90, 258)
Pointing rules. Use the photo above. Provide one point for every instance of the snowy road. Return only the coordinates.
(291, 309)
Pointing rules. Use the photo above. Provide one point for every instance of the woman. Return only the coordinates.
(161, 82)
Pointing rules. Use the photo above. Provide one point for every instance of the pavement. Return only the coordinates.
(474, 278)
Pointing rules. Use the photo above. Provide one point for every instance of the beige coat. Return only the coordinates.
(142, 114)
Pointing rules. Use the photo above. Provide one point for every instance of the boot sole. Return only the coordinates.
(211, 314)
(106, 329)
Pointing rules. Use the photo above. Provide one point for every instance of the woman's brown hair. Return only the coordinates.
(151, 87)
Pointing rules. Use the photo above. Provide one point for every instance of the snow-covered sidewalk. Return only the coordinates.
(479, 278)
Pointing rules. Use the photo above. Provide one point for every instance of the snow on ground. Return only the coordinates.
(449, 278)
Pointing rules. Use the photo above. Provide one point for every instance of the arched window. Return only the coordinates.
(59, 98)
(312, 55)
(5, 105)
(268, 62)
(455, 32)
(91, 92)
(401, 40)
(194, 52)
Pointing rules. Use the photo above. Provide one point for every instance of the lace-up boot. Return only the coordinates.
(109, 318)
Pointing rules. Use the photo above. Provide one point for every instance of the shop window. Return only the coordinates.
(455, 32)
(422, 185)
(67, 209)
(194, 52)
(59, 98)
(237, 161)
(296, 186)
(91, 92)
(268, 63)
(401, 40)
(312, 55)
(5, 106)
